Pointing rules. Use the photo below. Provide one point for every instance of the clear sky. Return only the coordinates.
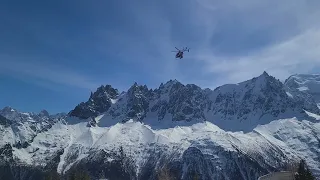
(53, 53)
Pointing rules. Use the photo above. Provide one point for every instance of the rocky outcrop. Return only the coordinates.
(99, 102)
(247, 104)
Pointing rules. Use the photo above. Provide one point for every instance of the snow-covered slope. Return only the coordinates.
(233, 107)
(237, 131)
(202, 148)
(99, 102)
(309, 83)
(19, 128)
(305, 87)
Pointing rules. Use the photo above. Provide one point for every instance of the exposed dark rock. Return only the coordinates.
(99, 102)
(256, 98)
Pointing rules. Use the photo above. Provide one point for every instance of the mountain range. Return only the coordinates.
(234, 107)
(236, 131)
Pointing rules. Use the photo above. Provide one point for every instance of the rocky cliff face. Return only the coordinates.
(99, 102)
(175, 130)
(19, 129)
(257, 97)
(17, 133)
(134, 151)
(305, 88)
(247, 104)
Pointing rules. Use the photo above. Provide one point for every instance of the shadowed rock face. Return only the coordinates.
(187, 164)
(99, 102)
(193, 164)
(278, 175)
(304, 88)
(4, 121)
(222, 157)
(259, 100)
(10, 170)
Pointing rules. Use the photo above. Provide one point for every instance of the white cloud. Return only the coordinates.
(294, 48)
(44, 73)
(143, 42)
(301, 54)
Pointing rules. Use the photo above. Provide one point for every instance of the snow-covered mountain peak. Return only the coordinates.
(305, 89)
(266, 78)
(15, 115)
(136, 88)
(247, 104)
(305, 83)
(106, 91)
(44, 113)
(99, 101)
(256, 84)
(237, 131)
(305, 77)
(201, 148)
(252, 102)
(7, 109)
(171, 82)
(22, 117)
(264, 81)
(262, 77)
(168, 87)
(19, 128)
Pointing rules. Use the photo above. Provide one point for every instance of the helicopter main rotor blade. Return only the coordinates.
(177, 48)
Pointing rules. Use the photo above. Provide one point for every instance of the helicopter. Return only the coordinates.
(180, 52)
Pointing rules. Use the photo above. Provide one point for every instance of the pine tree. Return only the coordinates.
(78, 174)
(52, 175)
(196, 177)
(122, 156)
(304, 172)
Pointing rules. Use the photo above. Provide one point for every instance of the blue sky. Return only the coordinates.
(53, 53)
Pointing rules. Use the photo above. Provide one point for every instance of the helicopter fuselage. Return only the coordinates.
(180, 52)
(179, 55)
